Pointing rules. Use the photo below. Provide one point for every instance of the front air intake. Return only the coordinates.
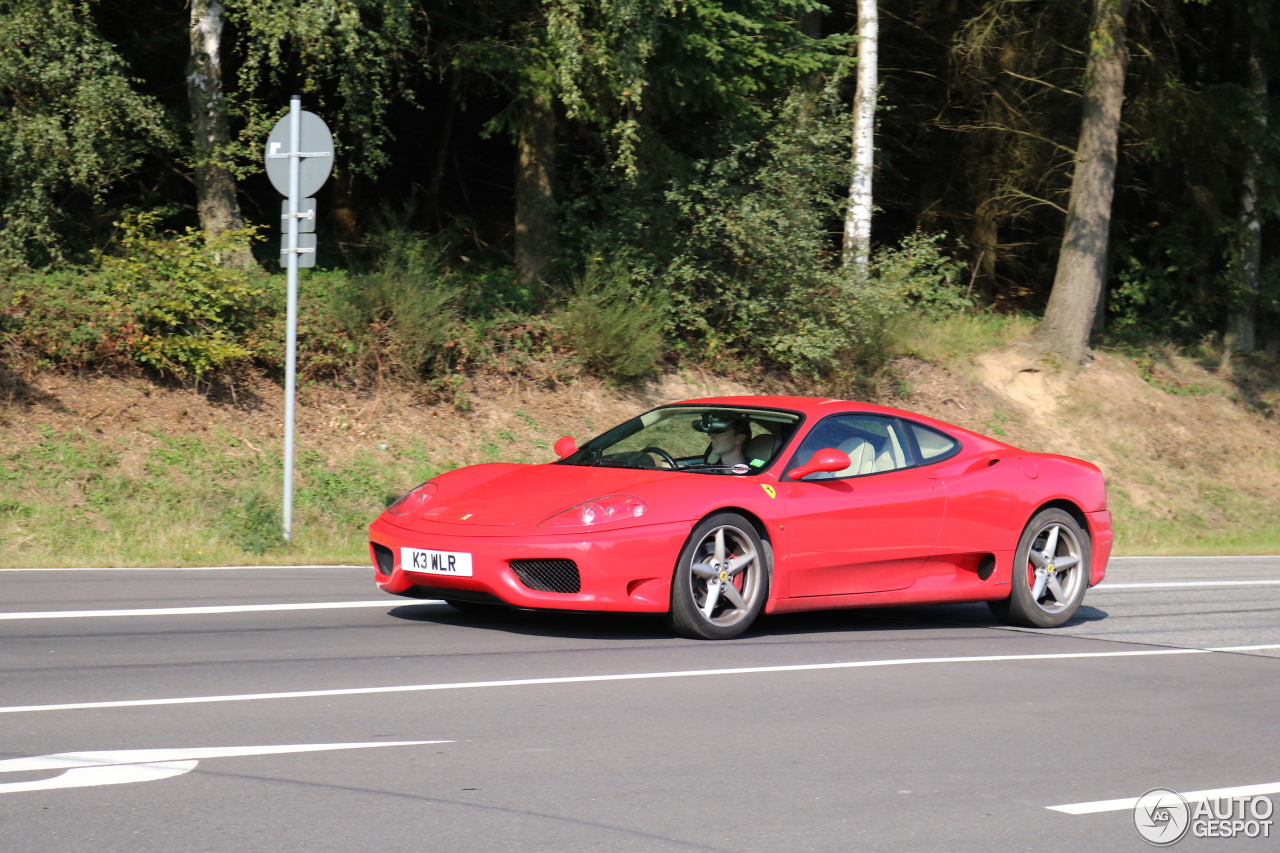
(384, 559)
(548, 575)
(986, 567)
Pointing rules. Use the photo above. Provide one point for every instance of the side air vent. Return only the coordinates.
(986, 567)
(385, 560)
(548, 575)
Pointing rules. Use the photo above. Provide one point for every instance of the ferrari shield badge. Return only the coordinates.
(769, 490)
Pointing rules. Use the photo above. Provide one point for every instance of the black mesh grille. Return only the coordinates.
(548, 575)
(986, 567)
(385, 560)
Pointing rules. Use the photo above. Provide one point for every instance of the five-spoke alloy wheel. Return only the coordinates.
(721, 581)
(1050, 572)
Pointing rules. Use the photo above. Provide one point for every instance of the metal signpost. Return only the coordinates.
(299, 159)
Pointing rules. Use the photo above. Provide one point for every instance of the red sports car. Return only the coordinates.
(712, 511)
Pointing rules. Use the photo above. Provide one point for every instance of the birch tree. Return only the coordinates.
(216, 201)
(1082, 262)
(857, 222)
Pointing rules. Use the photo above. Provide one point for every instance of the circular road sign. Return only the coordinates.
(316, 141)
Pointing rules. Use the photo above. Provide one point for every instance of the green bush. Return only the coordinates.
(919, 276)
(164, 302)
(743, 243)
(404, 311)
(616, 333)
(256, 525)
(190, 310)
(751, 274)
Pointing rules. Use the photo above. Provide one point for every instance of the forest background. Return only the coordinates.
(547, 189)
(513, 169)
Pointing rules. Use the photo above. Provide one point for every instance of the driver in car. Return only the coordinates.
(729, 434)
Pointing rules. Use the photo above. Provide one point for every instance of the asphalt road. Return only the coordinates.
(938, 731)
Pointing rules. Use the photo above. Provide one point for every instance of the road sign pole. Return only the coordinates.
(299, 157)
(291, 335)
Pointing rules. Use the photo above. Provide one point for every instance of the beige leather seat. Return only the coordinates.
(891, 457)
(862, 457)
(760, 447)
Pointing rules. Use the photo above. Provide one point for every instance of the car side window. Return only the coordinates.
(873, 444)
(933, 445)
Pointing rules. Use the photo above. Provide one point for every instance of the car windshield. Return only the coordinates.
(698, 439)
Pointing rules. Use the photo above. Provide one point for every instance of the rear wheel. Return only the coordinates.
(721, 581)
(1050, 573)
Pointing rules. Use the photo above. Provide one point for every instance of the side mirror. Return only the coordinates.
(828, 459)
(564, 447)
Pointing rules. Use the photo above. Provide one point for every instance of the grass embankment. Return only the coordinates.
(102, 471)
(82, 499)
(110, 472)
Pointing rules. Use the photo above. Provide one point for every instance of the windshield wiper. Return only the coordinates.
(615, 463)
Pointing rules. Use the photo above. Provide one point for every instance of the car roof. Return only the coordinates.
(822, 406)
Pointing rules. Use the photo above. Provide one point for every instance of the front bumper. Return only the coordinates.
(621, 570)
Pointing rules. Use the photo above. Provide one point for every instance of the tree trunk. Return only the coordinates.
(342, 206)
(1082, 263)
(986, 241)
(1242, 322)
(536, 241)
(857, 221)
(215, 187)
(444, 143)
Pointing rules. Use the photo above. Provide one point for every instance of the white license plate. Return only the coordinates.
(453, 563)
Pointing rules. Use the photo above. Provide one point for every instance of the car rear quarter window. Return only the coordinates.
(934, 446)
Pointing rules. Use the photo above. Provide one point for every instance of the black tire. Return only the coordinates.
(1061, 588)
(701, 578)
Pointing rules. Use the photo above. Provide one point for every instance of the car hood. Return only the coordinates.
(516, 494)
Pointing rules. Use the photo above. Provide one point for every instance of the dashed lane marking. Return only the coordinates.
(586, 679)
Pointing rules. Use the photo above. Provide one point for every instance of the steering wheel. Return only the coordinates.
(666, 457)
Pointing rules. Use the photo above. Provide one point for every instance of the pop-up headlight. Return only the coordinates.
(599, 511)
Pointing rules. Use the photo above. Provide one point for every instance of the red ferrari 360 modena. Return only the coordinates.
(712, 511)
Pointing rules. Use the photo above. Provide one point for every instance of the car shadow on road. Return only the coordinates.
(980, 615)
(632, 626)
(543, 623)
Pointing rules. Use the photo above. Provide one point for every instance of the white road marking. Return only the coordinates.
(120, 774)
(1192, 797)
(216, 608)
(585, 679)
(185, 568)
(1194, 557)
(122, 766)
(1171, 584)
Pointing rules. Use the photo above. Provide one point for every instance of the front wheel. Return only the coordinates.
(1050, 573)
(721, 581)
